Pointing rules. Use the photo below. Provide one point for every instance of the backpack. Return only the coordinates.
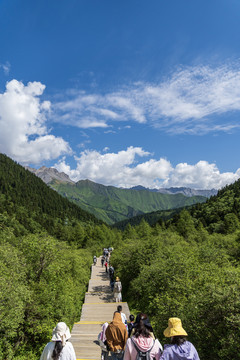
(118, 287)
(141, 355)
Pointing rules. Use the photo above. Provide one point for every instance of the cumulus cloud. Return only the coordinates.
(190, 100)
(200, 176)
(124, 169)
(24, 135)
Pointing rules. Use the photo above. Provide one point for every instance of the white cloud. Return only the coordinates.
(123, 169)
(191, 100)
(5, 67)
(200, 176)
(24, 135)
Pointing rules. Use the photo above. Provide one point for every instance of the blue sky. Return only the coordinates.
(123, 92)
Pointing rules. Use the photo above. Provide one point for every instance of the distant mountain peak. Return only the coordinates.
(50, 174)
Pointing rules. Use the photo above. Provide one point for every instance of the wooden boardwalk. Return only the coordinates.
(98, 308)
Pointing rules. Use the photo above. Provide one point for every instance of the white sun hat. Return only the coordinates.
(61, 333)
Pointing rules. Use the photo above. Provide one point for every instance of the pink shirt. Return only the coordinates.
(143, 344)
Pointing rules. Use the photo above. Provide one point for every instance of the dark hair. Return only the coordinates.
(131, 317)
(119, 308)
(178, 340)
(57, 350)
(141, 329)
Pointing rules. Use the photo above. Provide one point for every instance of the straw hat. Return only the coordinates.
(174, 328)
(61, 333)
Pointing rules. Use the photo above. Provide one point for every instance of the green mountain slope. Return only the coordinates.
(32, 202)
(151, 218)
(112, 204)
(221, 213)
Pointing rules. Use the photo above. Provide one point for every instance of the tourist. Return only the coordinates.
(117, 291)
(142, 342)
(116, 335)
(106, 266)
(111, 272)
(59, 348)
(102, 260)
(123, 316)
(143, 317)
(130, 324)
(180, 348)
(102, 342)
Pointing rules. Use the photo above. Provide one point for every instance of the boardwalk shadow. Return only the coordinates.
(101, 288)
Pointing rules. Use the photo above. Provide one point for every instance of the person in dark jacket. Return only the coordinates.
(130, 324)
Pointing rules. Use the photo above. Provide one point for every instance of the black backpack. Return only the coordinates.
(111, 270)
(141, 355)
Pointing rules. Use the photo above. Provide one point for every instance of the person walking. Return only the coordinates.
(102, 342)
(116, 335)
(59, 348)
(102, 260)
(111, 272)
(117, 290)
(130, 324)
(106, 266)
(142, 342)
(123, 316)
(180, 348)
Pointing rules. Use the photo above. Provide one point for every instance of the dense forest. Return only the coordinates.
(187, 266)
(46, 249)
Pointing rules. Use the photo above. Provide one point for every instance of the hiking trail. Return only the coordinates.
(98, 307)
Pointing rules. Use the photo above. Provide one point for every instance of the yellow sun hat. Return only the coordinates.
(117, 278)
(174, 328)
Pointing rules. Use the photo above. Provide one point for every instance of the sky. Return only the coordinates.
(123, 93)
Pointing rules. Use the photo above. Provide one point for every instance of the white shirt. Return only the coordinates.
(124, 318)
(67, 352)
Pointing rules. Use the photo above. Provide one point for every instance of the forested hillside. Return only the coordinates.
(33, 203)
(151, 218)
(186, 268)
(46, 249)
(221, 213)
(112, 204)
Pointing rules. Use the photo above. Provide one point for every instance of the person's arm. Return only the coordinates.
(127, 355)
(47, 351)
(157, 349)
(125, 337)
(165, 355)
(72, 352)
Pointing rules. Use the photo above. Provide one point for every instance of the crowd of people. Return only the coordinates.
(135, 340)
(122, 339)
(115, 283)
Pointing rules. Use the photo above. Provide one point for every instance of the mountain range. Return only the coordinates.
(180, 190)
(50, 174)
(112, 204)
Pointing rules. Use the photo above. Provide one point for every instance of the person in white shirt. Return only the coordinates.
(123, 316)
(59, 348)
